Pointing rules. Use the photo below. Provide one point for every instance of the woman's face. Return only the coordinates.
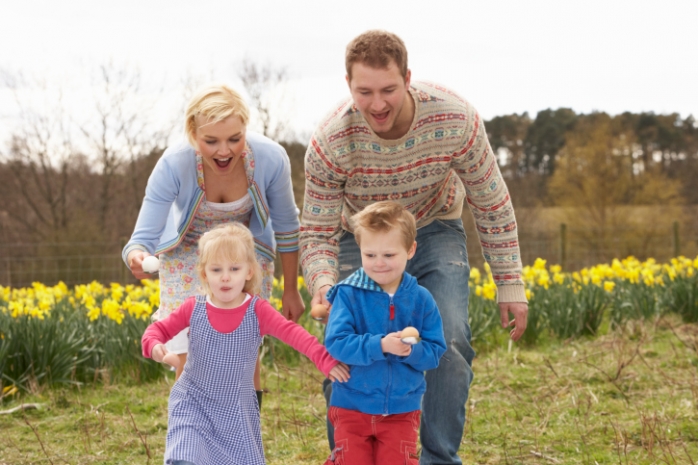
(221, 144)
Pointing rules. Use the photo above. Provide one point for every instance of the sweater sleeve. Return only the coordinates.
(273, 323)
(282, 205)
(489, 201)
(341, 337)
(162, 331)
(160, 192)
(321, 227)
(426, 354)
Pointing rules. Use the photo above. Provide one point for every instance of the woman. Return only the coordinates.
(223, 174)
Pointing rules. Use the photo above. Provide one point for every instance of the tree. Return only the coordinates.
(596, 183)
(40, 156)
(264, 85)
(545, 137)
(121, 134)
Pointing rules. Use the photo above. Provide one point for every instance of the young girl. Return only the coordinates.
(213, 411)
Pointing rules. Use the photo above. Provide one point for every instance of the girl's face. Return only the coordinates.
(221, 144)
(226, 280)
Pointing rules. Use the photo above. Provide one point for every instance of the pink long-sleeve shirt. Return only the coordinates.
(222, 320)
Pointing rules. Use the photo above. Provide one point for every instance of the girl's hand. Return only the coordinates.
(160, 354)
(292, 305)
(391, 344)
(340, 373)
(135, 263)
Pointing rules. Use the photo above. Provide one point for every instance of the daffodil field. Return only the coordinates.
(91, 333)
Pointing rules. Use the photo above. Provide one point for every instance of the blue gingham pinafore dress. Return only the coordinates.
(213, 413)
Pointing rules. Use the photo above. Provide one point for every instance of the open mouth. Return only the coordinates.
(381, 117)
(222, 162)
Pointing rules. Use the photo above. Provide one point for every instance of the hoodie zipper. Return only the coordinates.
(392, 308)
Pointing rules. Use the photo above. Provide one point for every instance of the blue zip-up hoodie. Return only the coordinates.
(381, 384)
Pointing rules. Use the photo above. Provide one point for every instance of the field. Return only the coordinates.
(606, 373)
(627, 397)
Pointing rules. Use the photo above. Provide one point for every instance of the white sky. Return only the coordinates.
(504, 56)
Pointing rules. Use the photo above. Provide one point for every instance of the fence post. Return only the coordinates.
(677, 245)
(563, 246)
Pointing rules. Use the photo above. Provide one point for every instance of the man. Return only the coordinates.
(426, 148)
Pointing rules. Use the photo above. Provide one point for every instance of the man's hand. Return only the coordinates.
(520, 312)
(292, 305)
(319, 298)
(340, 372)
(391, 344)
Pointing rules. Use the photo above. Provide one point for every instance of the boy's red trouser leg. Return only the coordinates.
(363, 439)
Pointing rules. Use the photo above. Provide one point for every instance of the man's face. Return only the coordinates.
(382, 97)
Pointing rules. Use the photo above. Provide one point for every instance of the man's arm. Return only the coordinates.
(321, 224)
(489, 201)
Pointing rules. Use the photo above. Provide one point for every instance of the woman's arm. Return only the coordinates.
(291, 300)
(160, 193)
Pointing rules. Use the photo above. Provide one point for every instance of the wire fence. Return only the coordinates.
(79, 263)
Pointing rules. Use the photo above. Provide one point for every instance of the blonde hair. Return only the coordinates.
(234, 242)
(376, 48)
(383, 217)
(213, 103)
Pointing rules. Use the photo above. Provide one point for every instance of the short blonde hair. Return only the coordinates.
(383, 217)
(234, 242)
(213, 103)
(376, 48)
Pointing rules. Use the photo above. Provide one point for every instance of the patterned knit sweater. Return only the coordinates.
(444, 159)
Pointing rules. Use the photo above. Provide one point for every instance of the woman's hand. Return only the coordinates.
(135, 263)
(292, 305)
(340, 373)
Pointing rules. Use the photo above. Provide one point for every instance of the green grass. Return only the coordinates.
(626, 397)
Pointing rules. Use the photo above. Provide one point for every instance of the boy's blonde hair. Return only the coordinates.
(384, 216)
(376, 48)
(213, 103)
(234, 242)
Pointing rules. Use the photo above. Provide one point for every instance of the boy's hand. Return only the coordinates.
(391, 344)
(340, 372)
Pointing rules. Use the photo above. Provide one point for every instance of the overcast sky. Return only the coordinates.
(504, 56)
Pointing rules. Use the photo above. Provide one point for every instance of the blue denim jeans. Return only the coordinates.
(440, 265)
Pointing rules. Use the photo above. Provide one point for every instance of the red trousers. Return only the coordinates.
(364, 439)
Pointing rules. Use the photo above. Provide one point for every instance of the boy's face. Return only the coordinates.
(384, 257)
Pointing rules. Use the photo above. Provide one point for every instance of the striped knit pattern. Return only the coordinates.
(443, 160)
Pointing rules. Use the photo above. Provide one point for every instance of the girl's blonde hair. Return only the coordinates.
(213, 103)
(234, 242)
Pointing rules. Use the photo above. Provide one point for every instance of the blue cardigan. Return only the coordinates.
(173, 195)
(381, 383)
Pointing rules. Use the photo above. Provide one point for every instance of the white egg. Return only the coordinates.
(151, 264)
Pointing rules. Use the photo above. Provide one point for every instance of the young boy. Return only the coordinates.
(376, 413)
